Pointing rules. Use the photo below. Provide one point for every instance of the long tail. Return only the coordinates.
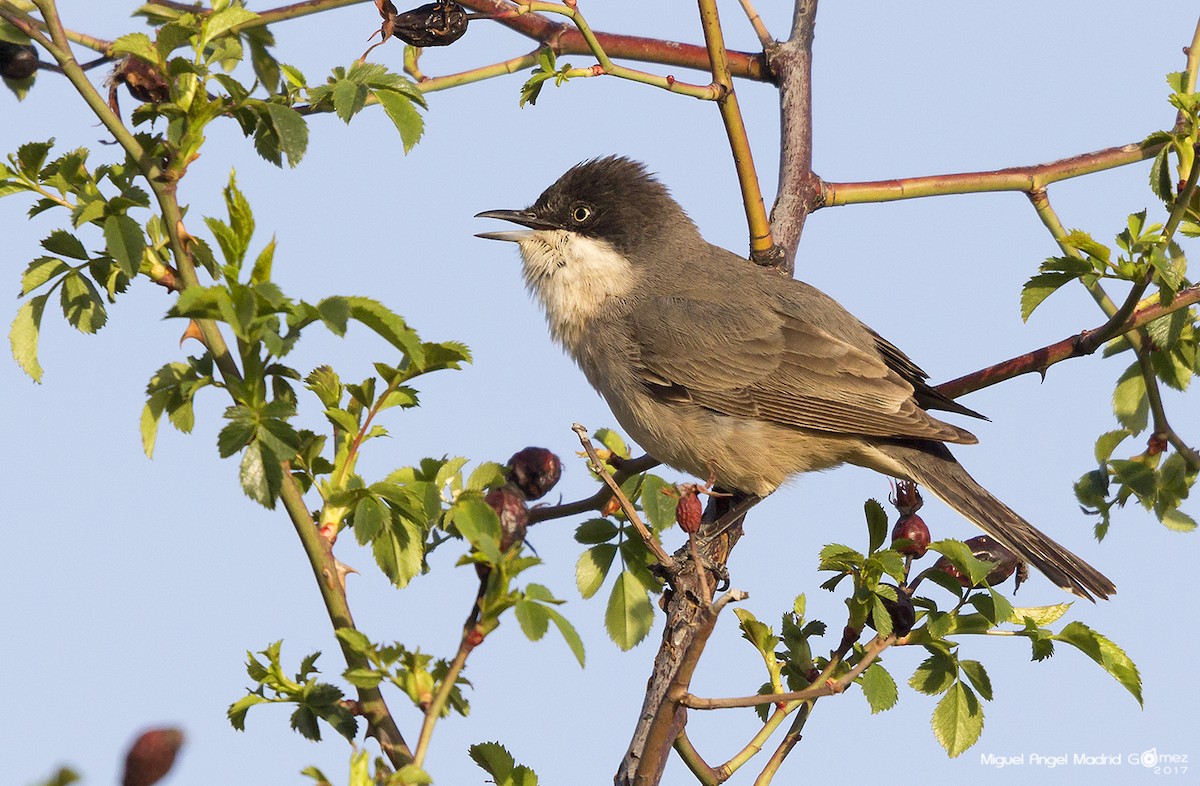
(932, 465)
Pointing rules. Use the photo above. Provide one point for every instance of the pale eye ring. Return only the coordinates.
(581, 213)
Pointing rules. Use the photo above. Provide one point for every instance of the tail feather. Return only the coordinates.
(932, 465)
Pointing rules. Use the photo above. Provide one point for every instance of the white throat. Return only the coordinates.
(572, 277)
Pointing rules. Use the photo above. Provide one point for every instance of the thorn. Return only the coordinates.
(192, 331)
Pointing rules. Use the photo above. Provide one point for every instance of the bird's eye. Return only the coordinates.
(581, 213)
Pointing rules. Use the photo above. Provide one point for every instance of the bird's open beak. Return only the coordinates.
(523, 217)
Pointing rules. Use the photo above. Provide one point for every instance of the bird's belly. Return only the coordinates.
(751, 456)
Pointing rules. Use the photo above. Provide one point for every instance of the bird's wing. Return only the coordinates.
(769, 365)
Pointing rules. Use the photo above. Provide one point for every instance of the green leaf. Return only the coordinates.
(261, 474)
(81, 303)
(1160, 175)
(964, 559)
(978, 677)
(1130, 404)
(404, 116)
(494, 759)
(840, 558)
(958, 720)
(222, 23)
(877, 524)
(1106, 443)
(369, 519)
(596, 531)
(658, 502)
(261, 272)
(124, 242)
(399, 551)
(569, 634)
(935, 675)
(879, 688)
(592, 568)
(533, 618)
(65, 244)
(237, 711)
(31, 156)
(479, 524)
(137, 44)
(1040, 287)
(348, 98)
(1102, 650)
(1178, 521)
(40, 271)
(629, 614)
(388, 325)
(1041, 615)
(290, 133)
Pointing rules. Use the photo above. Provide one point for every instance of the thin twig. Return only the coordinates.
(827, 687)
(788, 742)
(663, 558)
(705, 774)
(1018, 178)
(760, 27)
(762, 245)
(1078, 345)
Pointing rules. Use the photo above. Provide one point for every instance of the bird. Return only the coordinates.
(728, 370)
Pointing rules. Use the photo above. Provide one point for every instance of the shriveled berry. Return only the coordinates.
(432, 24)
(144, 81)
(910, 536)
(509, 504)
(907, 498)
(901, 610)
(534, 471)
(985, 547)
(18, 61)
(151, 756)
(689, 510)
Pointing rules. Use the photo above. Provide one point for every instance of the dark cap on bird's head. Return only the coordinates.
(613, 199)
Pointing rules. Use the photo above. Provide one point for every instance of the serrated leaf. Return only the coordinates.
(840, 558)
(596, 531)
(349, 97)
(659, 502)
(261, 272)
(1106, 443)
(1040, 287)
(223, 22)
(1041, 616)
(877, 524)
(1178, 521)
(81, 303)
(958, 720)
(137, 44)
(388, 325)
(260, 474)
(369, 519)
(964, 559)
(533, 619)
(62, 242)
(290, 134)
(1130, 404)
(124, 242)
(879, 688)
(23, 336)
(569, 634)
(935, 675)
(399, 551)
(592, 568)
(978, 676)
(629, 614)
(1102, 650)
(41, 271)
(494, 759)
(237, 711)
(404, 116)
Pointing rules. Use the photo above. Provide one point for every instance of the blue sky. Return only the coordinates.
(135, 587)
